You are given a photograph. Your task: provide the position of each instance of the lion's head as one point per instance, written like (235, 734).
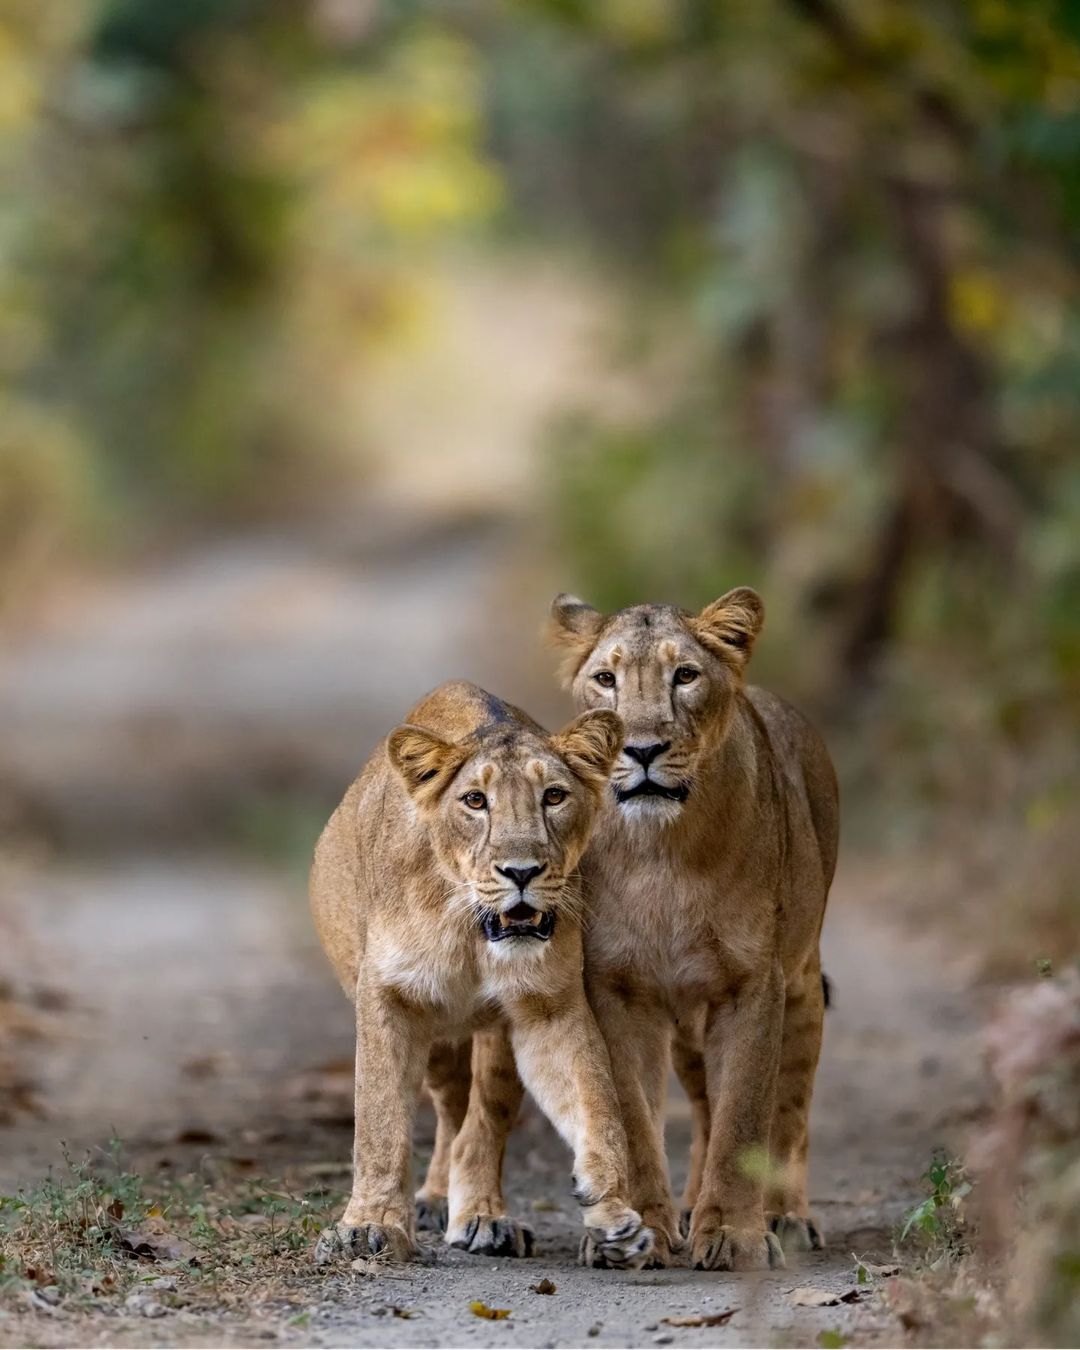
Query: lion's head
(672, 678)
(510, 811)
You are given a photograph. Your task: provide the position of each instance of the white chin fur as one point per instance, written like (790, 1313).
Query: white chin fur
(517, 950)
(649, 811)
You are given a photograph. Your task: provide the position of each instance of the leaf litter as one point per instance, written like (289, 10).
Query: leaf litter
(701, 1319)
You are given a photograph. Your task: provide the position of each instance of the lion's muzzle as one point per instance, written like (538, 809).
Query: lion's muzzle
(522, 921)
(649, 787)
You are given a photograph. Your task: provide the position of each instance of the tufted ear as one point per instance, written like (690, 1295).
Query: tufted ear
(573, 626)
(590, 745)
(425, 762)
(729, 626)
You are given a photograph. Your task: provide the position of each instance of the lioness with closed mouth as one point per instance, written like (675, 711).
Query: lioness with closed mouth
(446, 895)
(707, 877)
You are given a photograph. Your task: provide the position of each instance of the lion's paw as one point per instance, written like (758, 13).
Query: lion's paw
(491, 1235)
(797, 1234)
(726, 1248)
(431, 1213)
(623, 1244)
(667, 1239)
(349, 1240)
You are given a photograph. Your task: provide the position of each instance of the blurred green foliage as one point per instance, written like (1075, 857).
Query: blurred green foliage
(845, 242)
(216, 210)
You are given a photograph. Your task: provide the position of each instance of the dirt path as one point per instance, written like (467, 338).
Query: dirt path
(200, 995)
(204, 998)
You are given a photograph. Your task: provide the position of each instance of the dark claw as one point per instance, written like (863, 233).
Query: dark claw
(465, 1240)
(431, 1214)
(797, 1235)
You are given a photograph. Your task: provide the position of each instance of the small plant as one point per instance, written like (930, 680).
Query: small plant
(69, 1228)
(940, 1219)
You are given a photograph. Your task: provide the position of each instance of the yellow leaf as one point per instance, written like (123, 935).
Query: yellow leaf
(492, 1314)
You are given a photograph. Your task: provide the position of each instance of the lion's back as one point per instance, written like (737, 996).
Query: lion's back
(808, 768)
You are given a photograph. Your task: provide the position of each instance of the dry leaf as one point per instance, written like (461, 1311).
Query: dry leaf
(806, 1296)
(479, 1309)
(366, 1265)
(875, 1271)
(544, 1287)
(195, 1134)
(701, 1319)
(157, 1245)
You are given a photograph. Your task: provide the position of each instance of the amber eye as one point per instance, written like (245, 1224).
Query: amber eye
(605, 678)
(686, 675)
(554, 796)
(475, 801)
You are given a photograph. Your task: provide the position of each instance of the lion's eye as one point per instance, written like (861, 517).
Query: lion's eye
(686, 675)
(554, 796)
(605, 678)
(475, 801)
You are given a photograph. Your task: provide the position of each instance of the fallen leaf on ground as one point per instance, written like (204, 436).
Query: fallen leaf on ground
(545, 1207)
(367, 1265)
(479, 1309)
(806, 1296)
(157, 1246)
(701, 1319)
(194, 1134)
(544, 1287)
(866, 1270)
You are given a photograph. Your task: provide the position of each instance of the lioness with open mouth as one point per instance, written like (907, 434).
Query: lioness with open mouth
(446, 895)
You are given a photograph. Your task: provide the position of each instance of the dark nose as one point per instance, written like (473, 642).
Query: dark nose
(645, 754)
(521, 876)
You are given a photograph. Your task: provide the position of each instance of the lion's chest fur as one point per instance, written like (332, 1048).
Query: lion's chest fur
(445, 970)
(675, 935)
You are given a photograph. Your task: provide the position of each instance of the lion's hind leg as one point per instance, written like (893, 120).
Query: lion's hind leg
(478, 1221)
(447, 1081)
(689, 1061)
(786, 1200)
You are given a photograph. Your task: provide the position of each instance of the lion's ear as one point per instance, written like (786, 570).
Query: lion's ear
(573, 626)
(425, 762)
(729, 626)
(590, 745)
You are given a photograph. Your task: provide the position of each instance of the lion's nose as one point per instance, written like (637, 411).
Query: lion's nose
(645, 754)
(521, 876)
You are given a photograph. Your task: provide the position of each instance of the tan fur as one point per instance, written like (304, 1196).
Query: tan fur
(404, 875)
(705, 917)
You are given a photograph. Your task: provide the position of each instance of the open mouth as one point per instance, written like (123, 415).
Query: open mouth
(648, 788)
(520, 922)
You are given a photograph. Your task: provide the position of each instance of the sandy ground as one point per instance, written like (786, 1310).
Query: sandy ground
(200, 995)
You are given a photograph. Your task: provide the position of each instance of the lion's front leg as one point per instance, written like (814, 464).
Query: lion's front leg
(478, 1221)
(742, 1051)
(639, 1037)
(565, 1064)
(392, 1044)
